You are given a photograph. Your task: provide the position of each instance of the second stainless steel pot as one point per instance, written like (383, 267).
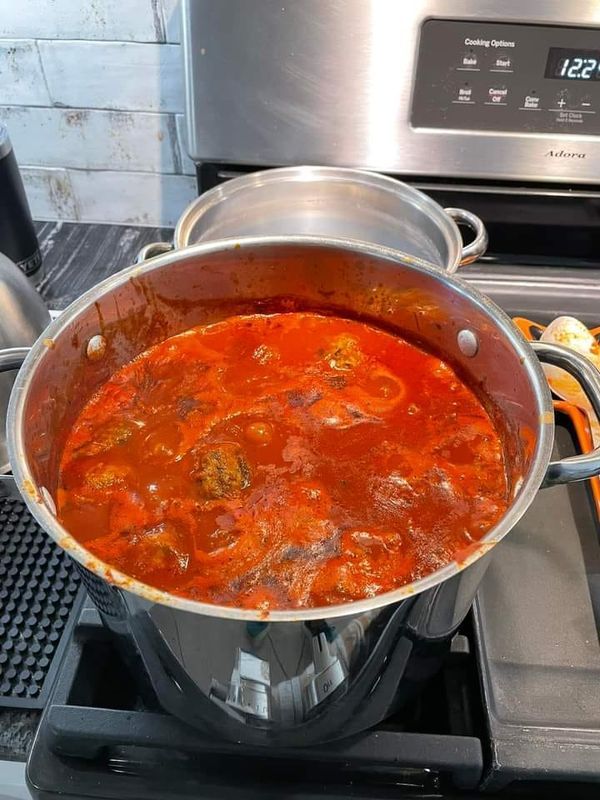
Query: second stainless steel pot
(297, 676)
(330, 201)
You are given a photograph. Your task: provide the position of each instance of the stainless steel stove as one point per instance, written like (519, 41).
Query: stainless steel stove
(495, 108)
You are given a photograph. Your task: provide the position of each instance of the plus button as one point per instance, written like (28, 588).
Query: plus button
(562, 102)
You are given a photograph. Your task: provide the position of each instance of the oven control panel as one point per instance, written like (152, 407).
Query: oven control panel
(498, 77)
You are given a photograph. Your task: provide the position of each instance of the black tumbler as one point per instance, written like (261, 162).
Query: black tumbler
(17, 234)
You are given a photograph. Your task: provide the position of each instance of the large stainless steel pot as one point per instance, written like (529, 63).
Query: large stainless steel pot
(294, 676)
(331, 202)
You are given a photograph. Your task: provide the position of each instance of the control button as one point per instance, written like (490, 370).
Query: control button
(497, 96)
(531, 103)
(562, 100)
(502, 63)
(464, 95)
(566, 109)
(586, 104)
(469, 62)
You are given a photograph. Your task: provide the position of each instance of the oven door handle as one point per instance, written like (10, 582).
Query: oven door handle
(475, 249)
(586, 465)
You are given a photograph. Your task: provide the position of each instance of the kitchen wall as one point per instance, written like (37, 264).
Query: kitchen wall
(92, 94)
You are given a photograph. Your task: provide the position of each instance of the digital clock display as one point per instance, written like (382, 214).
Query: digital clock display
(574, 65)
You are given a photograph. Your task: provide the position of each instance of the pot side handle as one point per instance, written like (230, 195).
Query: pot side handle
(11, 358)
(472, 251)
(587, 465)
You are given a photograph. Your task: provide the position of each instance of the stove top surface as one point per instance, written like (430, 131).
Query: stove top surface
(537, 617)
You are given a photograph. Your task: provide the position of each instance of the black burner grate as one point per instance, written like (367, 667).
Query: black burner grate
(39, 593)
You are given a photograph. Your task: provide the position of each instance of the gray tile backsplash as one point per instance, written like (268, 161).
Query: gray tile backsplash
(187, 165)
(84, 138)
(117, 20)
(113, 75)
(136, 198)
(92, 95)
(21, 74)
(50, 193)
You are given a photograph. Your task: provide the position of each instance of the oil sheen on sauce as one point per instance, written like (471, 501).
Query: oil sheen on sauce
(282, 461)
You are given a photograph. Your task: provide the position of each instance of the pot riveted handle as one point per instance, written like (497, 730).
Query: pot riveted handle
(151, 250)
(587, 465)
(12, 358)
(472, 251)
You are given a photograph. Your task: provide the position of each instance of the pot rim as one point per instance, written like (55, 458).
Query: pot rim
(36, 497)
(308, 174)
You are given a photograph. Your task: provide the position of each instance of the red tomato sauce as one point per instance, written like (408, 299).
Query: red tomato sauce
(282, 461)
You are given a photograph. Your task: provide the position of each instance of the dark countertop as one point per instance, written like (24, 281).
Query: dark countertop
(77, 255)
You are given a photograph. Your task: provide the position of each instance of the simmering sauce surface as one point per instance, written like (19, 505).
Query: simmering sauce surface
(282, 461)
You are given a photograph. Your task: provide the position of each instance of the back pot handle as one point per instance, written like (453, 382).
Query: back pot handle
(472, 251)
(152, 250)
(574, 468)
